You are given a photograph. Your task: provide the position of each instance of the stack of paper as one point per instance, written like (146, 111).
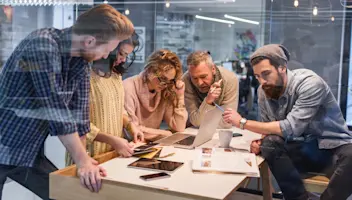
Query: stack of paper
(227, 161)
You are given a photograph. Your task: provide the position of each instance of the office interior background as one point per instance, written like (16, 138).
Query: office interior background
(316, 32)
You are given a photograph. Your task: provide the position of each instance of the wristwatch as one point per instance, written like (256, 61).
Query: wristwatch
(243, 121)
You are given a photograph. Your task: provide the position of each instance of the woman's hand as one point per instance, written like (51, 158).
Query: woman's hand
(122, 147)
(137, 134)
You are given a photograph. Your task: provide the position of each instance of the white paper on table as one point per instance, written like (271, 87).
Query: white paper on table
(166, 150)
(225, 160)
(240, 144)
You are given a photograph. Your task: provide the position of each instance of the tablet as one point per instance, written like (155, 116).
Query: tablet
(155, 164)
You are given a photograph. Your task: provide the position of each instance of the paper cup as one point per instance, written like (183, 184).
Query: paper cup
(225, 137)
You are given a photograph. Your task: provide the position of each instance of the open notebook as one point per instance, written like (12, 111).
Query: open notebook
(227, 161)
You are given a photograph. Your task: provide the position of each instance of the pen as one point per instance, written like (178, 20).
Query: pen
(219, 107)
(212, 89)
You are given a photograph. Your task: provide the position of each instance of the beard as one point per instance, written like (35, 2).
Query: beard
(89, 57)
(203, 88)
(274, 91)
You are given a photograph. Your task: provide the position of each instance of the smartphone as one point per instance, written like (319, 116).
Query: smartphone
(155, 176)
(236, 134)
(145, 147)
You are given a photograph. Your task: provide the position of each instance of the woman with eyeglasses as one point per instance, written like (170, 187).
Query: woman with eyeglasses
(107, 114)
(156, 95)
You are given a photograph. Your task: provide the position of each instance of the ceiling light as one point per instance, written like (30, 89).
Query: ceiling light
(127, 12)
(215, 19)
(106, 2)
(315, 11)
(241, 19)
(332, 18)
(296, 3)
(167, 4)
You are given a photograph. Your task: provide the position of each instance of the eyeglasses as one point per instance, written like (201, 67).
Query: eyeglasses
(163, 81)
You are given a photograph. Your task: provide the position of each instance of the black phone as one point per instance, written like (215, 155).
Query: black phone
(155, 176)
(145, 147)
(236, 134)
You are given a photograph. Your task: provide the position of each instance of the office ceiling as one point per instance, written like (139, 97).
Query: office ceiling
(250, 9)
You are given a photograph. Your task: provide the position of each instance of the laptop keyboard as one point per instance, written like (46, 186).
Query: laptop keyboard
(187, 141)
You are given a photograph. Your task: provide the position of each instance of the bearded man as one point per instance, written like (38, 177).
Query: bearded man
(302, 126)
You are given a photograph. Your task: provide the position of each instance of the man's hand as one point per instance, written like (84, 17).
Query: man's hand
(122, 147)
(232, 117)
(88, 170)
(214, 92)
(90, 174)
(137, 134)
(179, 88)
(255, 146)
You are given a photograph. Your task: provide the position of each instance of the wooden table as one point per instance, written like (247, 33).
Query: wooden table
(124, 183)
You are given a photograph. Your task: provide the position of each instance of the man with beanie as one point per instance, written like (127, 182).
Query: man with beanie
(302, 126)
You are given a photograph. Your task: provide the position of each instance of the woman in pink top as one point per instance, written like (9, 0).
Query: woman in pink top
(157, 94)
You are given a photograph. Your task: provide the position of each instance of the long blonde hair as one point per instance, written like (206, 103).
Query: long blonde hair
(161, 61)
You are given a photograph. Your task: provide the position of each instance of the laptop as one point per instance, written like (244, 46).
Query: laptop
(205, 133)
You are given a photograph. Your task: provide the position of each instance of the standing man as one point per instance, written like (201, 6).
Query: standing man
(206, 85)
(44, 89)
(302, 126)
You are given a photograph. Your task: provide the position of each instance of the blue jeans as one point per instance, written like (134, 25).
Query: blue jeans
(288, 160)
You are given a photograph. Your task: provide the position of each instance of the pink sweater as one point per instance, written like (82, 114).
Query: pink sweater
(148, 109)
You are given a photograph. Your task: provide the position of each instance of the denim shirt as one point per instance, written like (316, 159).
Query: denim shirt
(307, 108)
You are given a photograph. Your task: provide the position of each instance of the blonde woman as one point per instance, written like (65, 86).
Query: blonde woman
(156, 95)
(107, 114)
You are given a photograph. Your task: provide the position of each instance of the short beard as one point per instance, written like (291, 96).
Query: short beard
(274, 91)
(86, 56)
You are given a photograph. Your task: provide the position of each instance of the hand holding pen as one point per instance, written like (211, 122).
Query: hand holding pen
(214, 92)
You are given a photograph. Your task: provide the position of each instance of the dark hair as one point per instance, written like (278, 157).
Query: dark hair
(121, 69)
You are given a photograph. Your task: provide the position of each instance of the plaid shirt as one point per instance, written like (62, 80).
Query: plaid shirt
(43, 90)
